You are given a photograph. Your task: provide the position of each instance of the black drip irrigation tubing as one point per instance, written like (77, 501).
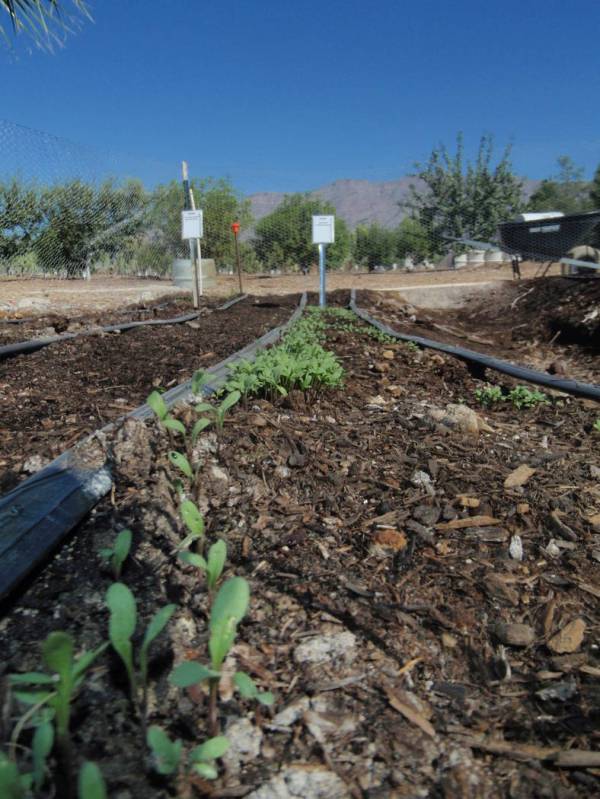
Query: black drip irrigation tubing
(40, 512)
(22, 347)
(573, 387)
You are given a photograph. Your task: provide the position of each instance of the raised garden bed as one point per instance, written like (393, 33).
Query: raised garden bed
(54, 397)
(410, 651)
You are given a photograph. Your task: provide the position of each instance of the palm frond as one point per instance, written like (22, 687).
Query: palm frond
(46, 21)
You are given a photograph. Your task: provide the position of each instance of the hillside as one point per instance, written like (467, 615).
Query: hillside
(359, 201)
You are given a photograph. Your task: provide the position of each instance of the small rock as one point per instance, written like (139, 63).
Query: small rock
(552, 550)
(33, 464)
(303, 781)
(423, 480)
(329, 647)
(515, 549)
(594, 472)
(218, 474)
(514, 634)
(557, 367)
(569, 638)
(559, 691)
(283, 472)
(426, 514)
(389, 355)
(460, 418)
(244, 743)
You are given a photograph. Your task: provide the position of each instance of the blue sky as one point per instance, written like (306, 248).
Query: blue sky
(288, 96)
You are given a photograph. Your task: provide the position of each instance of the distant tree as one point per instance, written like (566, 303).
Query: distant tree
(595, 189)
(284, 237)
(566, 191)
(374, 245)
(83, 223)
(21, 218)
(462, 198)
(45, 21)
(221, 205)
(412, 240)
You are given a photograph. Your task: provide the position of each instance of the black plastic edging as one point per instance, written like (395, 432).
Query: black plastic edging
(574, 387)
(22, 347)
(42, 510)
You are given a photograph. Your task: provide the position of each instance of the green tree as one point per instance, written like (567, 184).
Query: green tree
(221, 205)
(595, 189)
(284, 237)
(566, 191)
(412, 240)
(83, 224)
(374, 245)
(46, 21)
(21, 218)
(462, 198)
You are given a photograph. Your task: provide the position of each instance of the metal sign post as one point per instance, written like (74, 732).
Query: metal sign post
(323, 232)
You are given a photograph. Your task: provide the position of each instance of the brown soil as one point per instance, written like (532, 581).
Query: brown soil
(371, 526)
(550, 324)
(55, 396)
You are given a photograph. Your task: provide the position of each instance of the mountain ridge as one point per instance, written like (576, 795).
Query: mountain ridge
(360, 202)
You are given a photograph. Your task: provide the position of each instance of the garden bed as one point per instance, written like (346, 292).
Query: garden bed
(550, 324)
(410, 651)
(53, 397)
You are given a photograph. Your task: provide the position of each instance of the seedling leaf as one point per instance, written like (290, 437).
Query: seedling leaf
(91, 782)
(193, 559)
(43, 740)
(192, 518)
(200, 425)
(158, 405)
(174, 424)
(191, 673)
(211, 749)
(167, 753)
(217, 554)
(182, 463)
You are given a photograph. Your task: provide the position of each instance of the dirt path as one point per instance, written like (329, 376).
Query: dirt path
(27, 297)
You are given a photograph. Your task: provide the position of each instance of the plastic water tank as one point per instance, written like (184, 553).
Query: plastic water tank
(182, 273)
(475, 257)
(493, 256)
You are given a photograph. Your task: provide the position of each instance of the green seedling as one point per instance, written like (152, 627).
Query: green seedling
(168, 755)
(522, 397)
(596, 425)
(489, 395)
(117, 556)
(91, 782)
(194, 521)
(228, 609)
(199, 380)
(249, 690)
(213, 565)
(13, 785)
(55, 691)
(202, 758)
(122, 624)
(230, 400)
(181, 462)
(161, 411)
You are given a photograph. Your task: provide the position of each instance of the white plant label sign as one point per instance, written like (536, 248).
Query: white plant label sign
(192, 224)
(323, 229)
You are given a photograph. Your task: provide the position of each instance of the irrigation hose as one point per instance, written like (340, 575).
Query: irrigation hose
(23, 347)
(573, 387)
